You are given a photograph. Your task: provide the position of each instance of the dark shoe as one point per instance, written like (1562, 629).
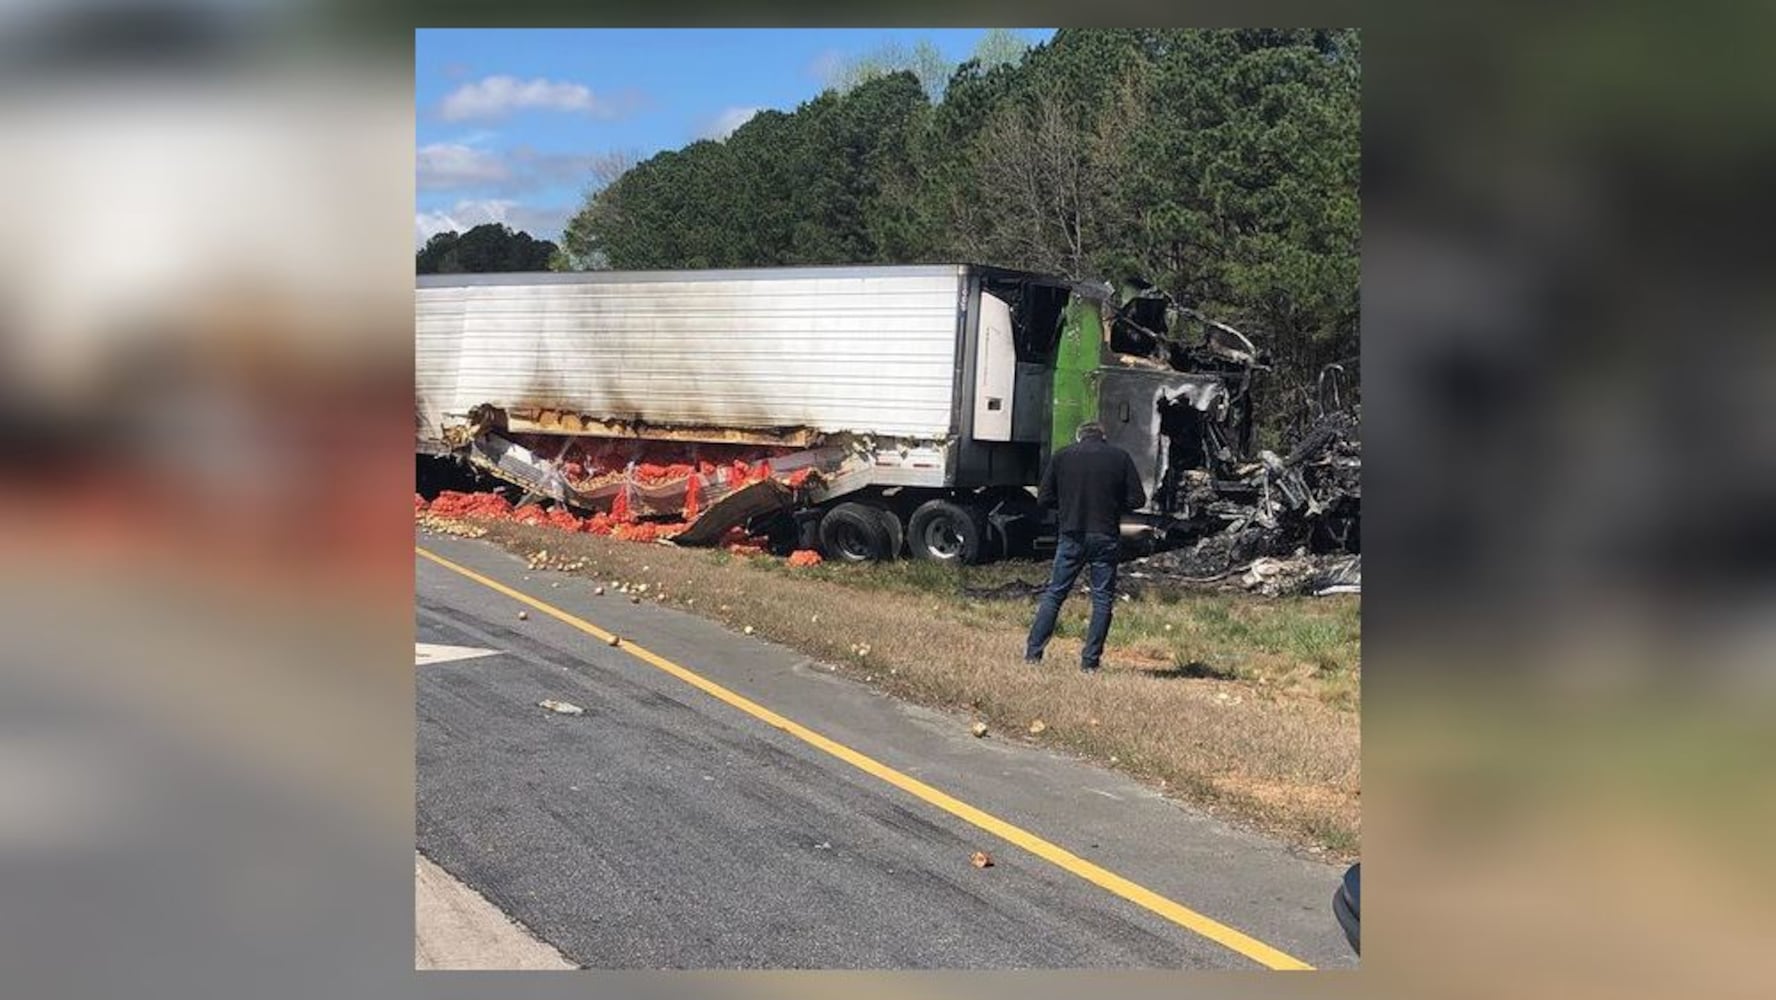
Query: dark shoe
(1088, 668)
(1033, 659)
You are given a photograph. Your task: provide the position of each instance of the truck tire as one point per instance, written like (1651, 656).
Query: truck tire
(942, 531)
(892, 530)
(852, 532)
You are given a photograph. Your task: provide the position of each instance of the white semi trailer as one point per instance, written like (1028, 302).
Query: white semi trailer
(926, 398)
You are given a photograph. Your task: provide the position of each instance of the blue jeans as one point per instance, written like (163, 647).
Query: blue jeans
(1074, 553)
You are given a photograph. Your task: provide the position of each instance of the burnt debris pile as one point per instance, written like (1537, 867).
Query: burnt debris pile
(1278, 524)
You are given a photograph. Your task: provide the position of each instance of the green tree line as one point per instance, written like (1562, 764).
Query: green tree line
(1220, 165)
(491, 246)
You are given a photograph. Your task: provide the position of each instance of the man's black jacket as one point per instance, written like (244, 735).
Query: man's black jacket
(1093, 483)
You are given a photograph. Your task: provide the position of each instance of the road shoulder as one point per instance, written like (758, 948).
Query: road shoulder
(454, 927)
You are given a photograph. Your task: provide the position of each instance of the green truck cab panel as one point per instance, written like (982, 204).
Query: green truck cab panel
(1078, 357)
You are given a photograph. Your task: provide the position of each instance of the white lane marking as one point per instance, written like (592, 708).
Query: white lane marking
(426, 653)
(1108, 795)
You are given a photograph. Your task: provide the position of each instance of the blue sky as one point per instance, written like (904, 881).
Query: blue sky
(514, 125)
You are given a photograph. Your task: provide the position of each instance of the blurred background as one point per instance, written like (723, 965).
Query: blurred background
(205, 712)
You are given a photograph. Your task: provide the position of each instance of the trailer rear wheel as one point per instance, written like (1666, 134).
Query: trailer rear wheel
(892, 530)
(852, 532)
(947, 532)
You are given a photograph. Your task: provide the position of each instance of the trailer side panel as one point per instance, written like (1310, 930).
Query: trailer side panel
(840, 350)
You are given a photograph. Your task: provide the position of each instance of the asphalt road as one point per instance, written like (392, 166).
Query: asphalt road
(665, 828)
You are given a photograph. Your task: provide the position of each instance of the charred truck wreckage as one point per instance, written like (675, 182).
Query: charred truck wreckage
(871, 412)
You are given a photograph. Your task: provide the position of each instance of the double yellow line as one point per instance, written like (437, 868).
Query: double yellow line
(1140, 895)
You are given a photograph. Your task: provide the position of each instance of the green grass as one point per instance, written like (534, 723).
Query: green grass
(1337, 837)
(1303, 644)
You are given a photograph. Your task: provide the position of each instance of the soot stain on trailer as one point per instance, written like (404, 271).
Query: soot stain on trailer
(541, 406)
(689, 409)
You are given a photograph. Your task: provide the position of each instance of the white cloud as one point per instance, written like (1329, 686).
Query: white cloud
(535, 169)
(446, 165)
(495, 96)
(544, 222)
(461, 217)
(465, 165)
(725, 123)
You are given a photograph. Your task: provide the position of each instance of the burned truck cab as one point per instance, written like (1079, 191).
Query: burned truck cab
(1170, 387)
(1171, 423)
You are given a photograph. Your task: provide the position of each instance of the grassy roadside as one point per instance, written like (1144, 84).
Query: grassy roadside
(1245, 706)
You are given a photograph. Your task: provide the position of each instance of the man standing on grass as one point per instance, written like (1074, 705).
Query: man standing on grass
(1093, 483)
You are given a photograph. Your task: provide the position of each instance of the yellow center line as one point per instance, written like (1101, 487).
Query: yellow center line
(1135, 893)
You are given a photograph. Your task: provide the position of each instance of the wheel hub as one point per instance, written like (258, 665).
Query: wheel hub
(943, 540)
(851, 544)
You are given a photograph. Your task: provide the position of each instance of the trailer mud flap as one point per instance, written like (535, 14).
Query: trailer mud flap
(765, 496)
